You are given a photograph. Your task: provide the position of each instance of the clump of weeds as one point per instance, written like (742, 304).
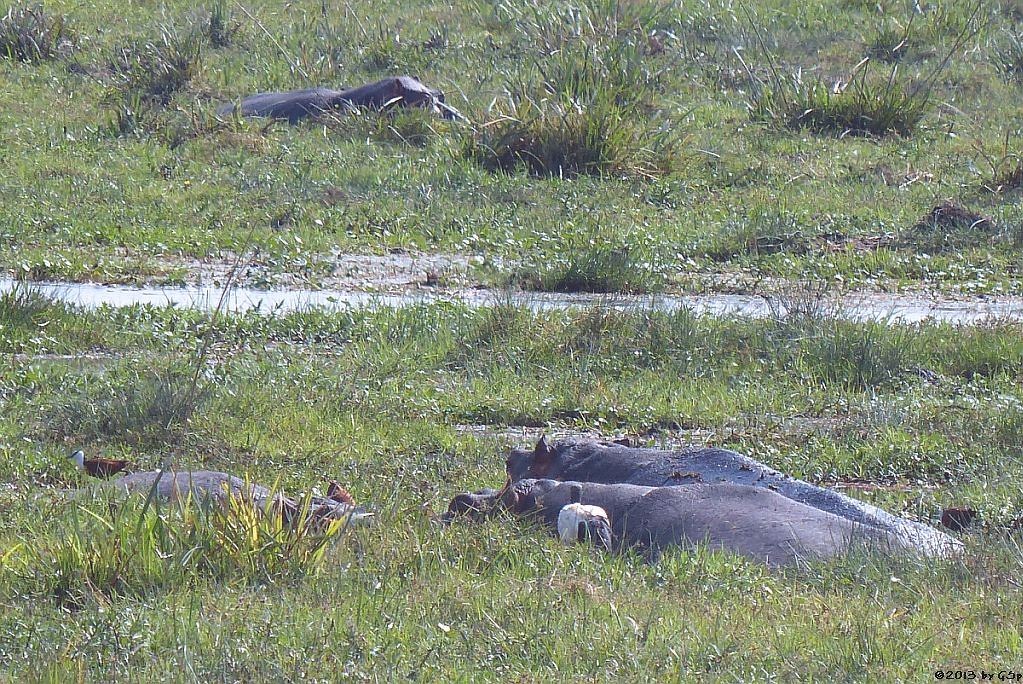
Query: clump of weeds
(31, 34)
(583, 111)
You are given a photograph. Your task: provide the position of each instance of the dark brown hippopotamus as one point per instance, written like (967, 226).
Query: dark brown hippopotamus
(754, 522)
(590, 461)
(295, 105)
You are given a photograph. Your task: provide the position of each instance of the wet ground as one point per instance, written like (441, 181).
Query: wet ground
(894, 308)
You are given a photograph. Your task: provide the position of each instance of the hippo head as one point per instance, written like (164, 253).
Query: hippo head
(539, 462)
(525, 496)
(473, 505)
(412, 92)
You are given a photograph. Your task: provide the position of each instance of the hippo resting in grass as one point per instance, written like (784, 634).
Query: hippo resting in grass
(589, 461)
(585, 460)
(751, 521)
(655, 498)
(395, 91)
(217, 487)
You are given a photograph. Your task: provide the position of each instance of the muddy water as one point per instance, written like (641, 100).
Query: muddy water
(894, 308)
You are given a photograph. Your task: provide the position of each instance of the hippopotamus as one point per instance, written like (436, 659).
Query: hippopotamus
(596, 462)
(754, 522)
(211, 486)
(295, 105)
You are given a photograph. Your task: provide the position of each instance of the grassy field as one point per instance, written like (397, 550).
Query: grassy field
(688, 145)
(614, 146)
(381, 401)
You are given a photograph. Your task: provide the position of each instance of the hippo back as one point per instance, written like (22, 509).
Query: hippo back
(589, 461)
(396, 91)
(753, 522)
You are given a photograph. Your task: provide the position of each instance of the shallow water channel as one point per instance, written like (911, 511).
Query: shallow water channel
(893, 308)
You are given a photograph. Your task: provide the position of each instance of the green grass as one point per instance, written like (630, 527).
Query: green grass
(106, 549)
(610, 148)
(1008, 59)
(33, 35)
(375, 400)
(876, 107)
(583, 111)
(153, 406)
(116, 168)
(601, 266)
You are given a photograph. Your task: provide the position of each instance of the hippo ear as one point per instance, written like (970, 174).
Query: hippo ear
(543, 450)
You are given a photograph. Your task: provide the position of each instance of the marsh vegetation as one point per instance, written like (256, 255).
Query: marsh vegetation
(614, 146)
(912, 418)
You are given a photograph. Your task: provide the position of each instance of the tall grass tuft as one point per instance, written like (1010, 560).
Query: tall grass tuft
(220, 28)
(155, 71)
(855, 355)
(1007, 58)
(1006, 167)
(487, 329)
(23, 306)
(583, 111)
(150, 75)
(866, 106)
(413, 127)
(554, 26)
(601, 267)
(890, 43)
(760, 232)
(33, 321)
(148, 406)
(645, 339)
(807, 335)
(102, 547)
(33, 35)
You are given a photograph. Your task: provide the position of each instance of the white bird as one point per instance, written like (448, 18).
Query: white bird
(578, 522)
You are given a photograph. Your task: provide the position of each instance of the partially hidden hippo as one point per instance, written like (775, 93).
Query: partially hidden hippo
(295, 105)
(211, 486)
(751, 521)
(699, 467)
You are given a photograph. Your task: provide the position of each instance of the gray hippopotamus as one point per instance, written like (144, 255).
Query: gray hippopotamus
(211, 486)
(751, 521)
(394, 91)
(590, 461)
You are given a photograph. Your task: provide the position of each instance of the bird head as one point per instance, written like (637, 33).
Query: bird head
(78, 457)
